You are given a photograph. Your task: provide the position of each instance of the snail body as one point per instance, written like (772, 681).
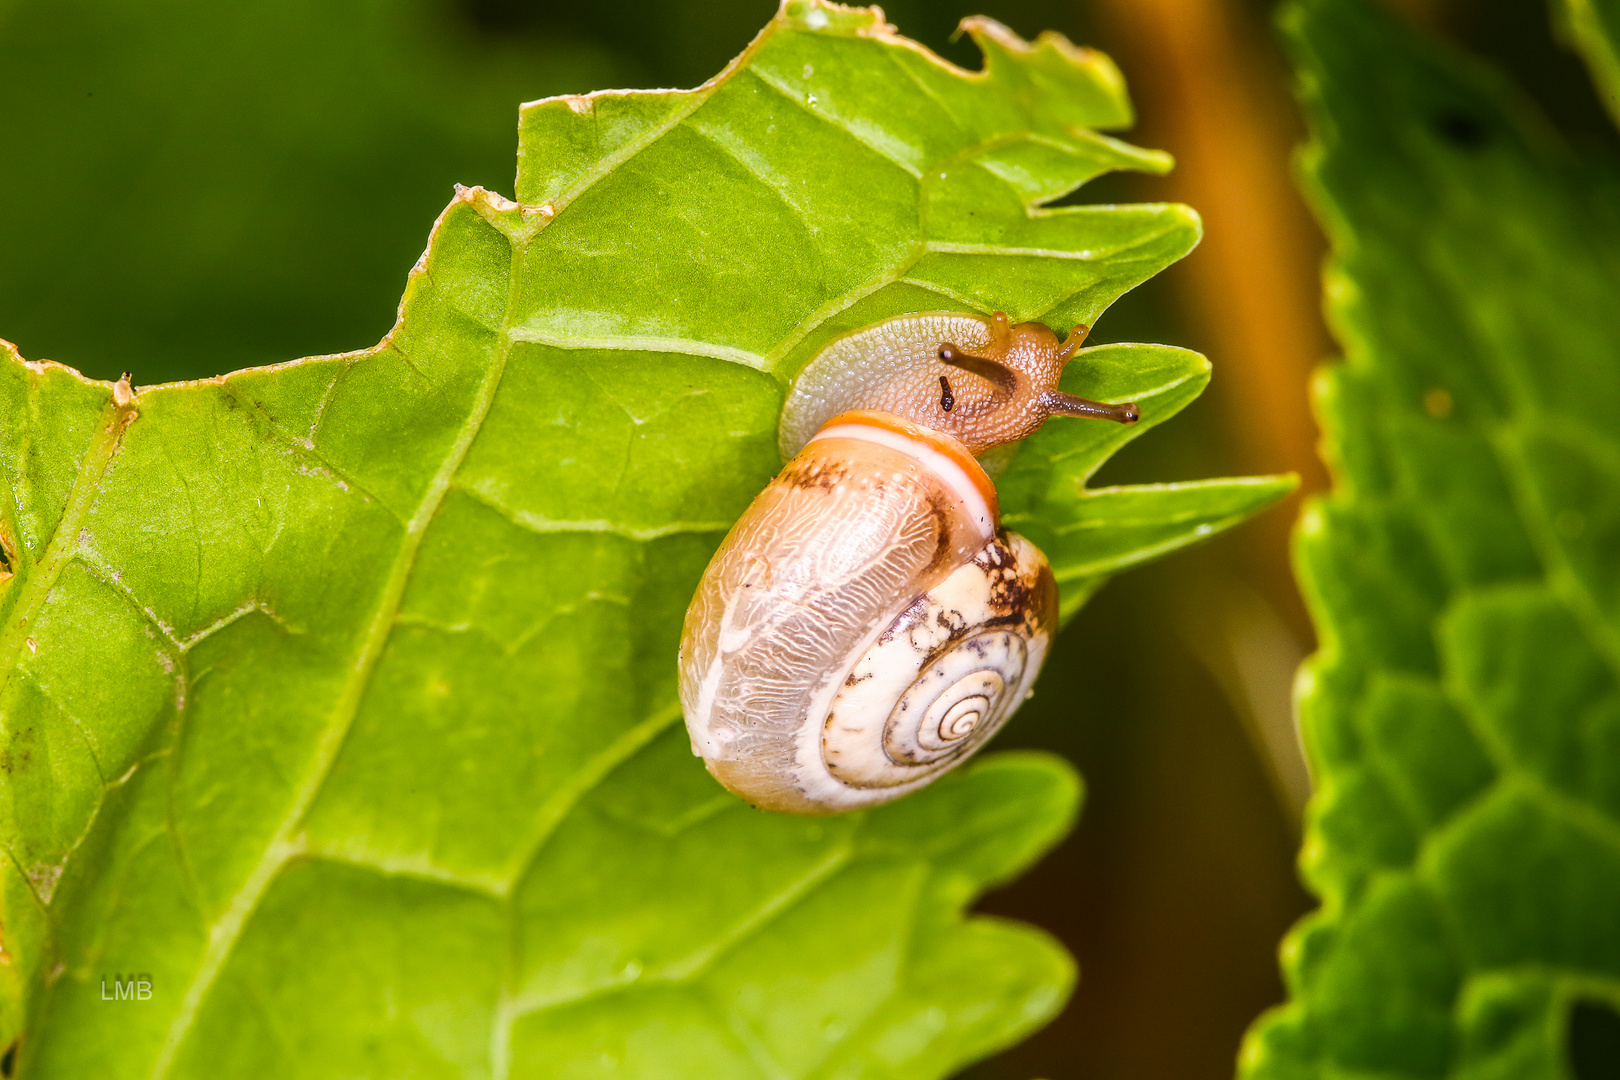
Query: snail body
(866, 625)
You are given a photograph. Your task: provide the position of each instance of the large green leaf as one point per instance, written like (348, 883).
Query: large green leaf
(338, 696)
(1463, 715)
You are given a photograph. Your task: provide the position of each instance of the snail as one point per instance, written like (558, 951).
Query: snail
(866, 625)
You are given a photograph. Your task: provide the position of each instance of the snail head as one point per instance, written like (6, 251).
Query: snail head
(1018, 372)
(984, 381)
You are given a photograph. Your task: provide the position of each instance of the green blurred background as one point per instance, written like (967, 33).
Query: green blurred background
(188, 187)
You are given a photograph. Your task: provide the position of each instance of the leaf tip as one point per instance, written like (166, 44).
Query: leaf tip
(1053, 63)
(1191, 220)
(1157, 163)
(1285, 483)
(994, 37)
(1312, 520)
(824, 16)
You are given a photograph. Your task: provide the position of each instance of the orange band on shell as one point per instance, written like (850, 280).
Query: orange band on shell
(893, 431)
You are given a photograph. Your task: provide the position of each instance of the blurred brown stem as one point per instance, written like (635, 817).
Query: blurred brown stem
(1212, 89)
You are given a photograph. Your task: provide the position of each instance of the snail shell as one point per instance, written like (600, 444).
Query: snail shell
(866, 626)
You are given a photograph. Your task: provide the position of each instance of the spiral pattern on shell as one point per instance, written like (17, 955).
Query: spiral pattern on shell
(945, 674)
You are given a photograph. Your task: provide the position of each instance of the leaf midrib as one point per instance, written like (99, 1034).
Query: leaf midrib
(114, 421)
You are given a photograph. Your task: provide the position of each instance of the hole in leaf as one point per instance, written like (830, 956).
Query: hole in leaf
(8, 1062)
(7, 567)
(1461, 130)
(1594, 1041)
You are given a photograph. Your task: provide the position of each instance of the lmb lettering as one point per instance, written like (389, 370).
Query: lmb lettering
(126, 987)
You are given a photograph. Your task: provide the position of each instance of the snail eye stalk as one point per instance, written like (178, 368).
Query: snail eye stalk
(1057, 403)
(947, 400)
(997, 374)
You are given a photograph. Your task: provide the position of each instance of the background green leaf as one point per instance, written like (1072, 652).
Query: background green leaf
(339, 698)
(1593, 28)
(1463, 716)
